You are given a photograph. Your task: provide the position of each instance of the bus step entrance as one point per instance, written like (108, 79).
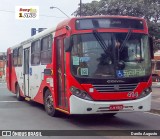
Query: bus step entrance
(27, 98)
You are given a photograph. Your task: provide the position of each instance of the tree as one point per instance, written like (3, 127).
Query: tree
(88, 9)
(149, 9)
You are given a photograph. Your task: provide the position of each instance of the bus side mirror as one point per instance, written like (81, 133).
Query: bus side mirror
(151, 47)
(67, 44)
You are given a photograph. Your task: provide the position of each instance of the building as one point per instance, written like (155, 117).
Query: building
(156, 63)
(2, 64)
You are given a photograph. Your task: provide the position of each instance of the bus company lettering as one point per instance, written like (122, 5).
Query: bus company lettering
(134, 72)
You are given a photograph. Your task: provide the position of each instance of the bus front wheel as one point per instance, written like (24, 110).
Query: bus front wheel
(48, 103)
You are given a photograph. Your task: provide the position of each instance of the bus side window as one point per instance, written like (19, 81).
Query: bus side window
(158, 65)
(35, 53)
(15, 59)
(46, 50)
(20, 55)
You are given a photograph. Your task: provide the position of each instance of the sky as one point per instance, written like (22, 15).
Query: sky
(14, 31)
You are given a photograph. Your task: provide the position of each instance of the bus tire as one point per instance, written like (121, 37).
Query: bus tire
(48, 104)
(19, 97)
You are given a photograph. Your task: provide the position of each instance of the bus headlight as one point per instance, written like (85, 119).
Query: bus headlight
(80, 93)
(145, 92)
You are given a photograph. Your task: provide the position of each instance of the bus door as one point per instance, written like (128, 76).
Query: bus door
(61, 73)
(26, 72)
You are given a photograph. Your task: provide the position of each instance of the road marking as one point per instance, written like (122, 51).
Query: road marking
(3, 85)
(152, 113)
(8, 101)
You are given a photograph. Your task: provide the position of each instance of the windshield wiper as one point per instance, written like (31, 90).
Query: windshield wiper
(121, 64)
(101, 42)
(126, 39)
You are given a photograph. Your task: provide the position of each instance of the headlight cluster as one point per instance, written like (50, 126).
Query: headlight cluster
(145, 92)
(80, 93)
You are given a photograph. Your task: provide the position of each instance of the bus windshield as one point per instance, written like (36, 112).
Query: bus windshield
(98, 58)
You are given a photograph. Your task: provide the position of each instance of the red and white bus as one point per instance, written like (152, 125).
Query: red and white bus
(77, 68)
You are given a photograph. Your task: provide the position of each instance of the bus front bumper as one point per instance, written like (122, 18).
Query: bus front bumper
(81, 106)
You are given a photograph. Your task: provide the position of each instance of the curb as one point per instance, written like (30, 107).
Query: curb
(156, 111)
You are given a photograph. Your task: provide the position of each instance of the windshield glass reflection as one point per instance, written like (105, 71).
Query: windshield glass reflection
(92, 59)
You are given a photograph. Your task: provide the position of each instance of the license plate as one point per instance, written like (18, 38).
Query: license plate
(115, 107)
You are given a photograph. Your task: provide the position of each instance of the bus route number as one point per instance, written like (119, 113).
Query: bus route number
(132, 94)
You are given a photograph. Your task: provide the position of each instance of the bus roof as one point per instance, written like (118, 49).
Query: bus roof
(43, 33)
(65, 23)
(110, 16)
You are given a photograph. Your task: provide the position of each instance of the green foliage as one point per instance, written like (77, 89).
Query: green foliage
(88, 9)
(148, 9)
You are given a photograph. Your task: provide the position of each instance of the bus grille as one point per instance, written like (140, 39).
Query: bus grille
(115, 87)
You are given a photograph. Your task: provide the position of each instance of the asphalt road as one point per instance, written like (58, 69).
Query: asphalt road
(15, 115)
(156, 98)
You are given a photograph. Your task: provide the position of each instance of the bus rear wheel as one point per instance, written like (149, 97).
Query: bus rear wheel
(48, 104)
(19, 97)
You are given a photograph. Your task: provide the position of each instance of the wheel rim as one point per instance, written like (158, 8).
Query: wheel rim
(49, 103)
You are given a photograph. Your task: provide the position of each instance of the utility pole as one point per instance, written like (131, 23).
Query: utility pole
(80, 7)
(59, 10)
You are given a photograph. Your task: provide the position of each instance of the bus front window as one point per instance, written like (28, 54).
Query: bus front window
(91, 59)
(135, 55)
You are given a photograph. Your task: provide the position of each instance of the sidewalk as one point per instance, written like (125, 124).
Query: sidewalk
(2, 80)
(155, 104)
